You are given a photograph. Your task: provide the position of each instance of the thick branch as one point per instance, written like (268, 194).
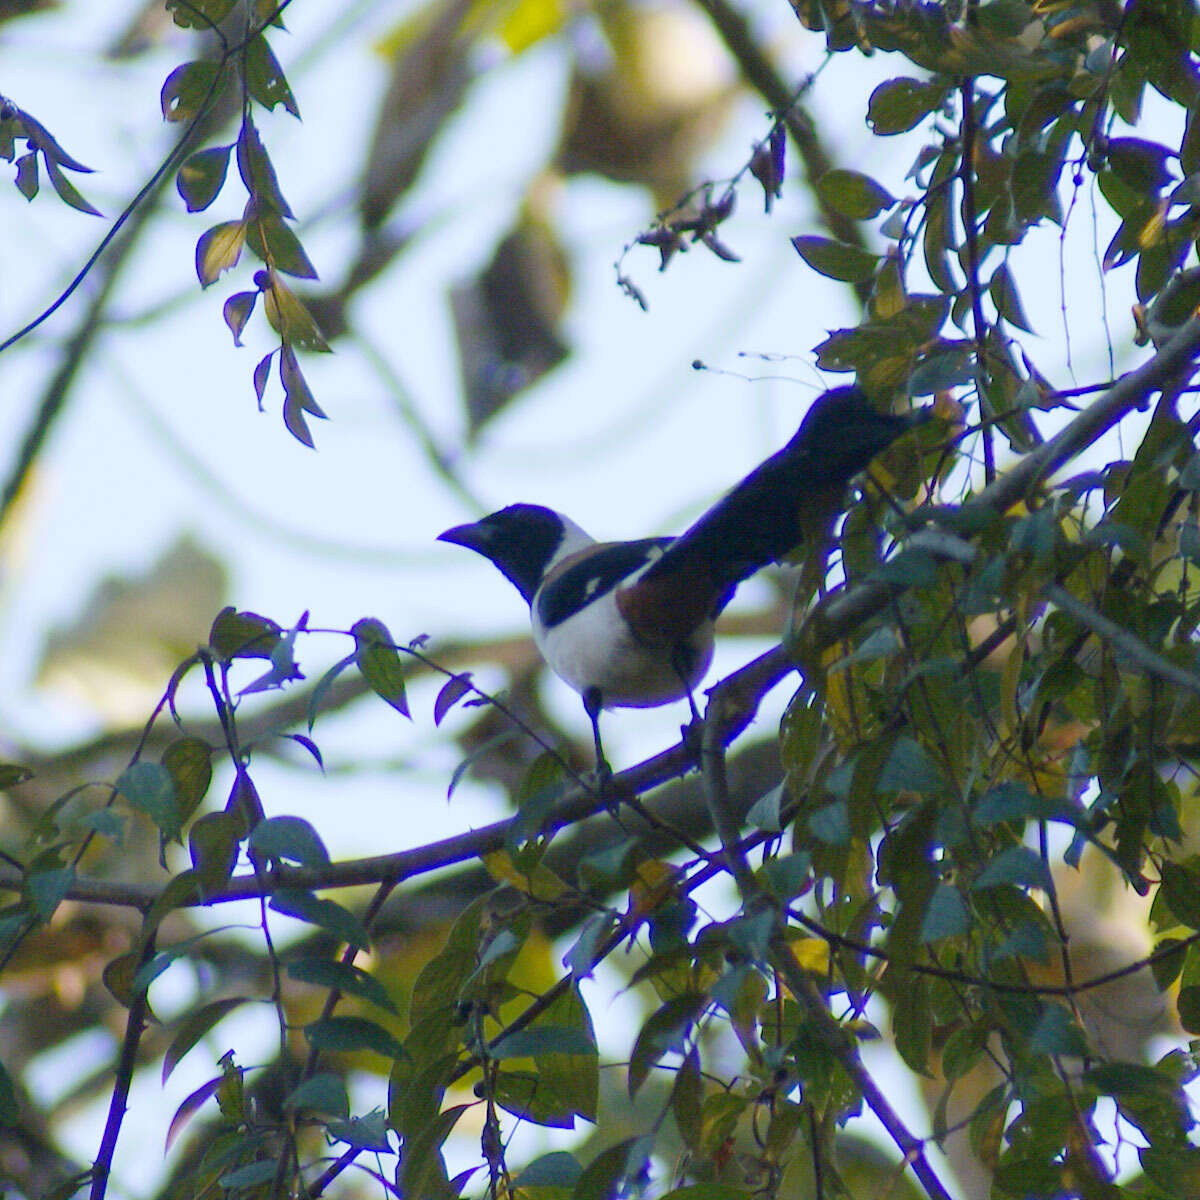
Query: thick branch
(742, 692)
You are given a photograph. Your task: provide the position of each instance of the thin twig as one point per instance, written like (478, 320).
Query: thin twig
(135, 1024)
(970, 218)
(754, 898)
(758, 70)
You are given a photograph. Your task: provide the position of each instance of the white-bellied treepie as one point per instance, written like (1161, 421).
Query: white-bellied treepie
(630, 624)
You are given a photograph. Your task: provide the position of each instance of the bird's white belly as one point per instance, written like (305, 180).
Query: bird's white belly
(595, 648)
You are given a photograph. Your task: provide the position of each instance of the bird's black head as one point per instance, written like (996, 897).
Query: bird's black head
(521, 540)
(844, 431)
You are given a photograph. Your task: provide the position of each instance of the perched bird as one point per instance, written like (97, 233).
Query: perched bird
(630, 624)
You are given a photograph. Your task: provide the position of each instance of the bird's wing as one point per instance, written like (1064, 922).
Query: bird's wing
(584, 577)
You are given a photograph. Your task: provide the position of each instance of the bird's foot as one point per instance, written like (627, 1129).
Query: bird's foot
(692, 736)
(611, 791)
(603, 775)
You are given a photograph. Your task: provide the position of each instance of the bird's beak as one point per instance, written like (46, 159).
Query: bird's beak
(475, 536)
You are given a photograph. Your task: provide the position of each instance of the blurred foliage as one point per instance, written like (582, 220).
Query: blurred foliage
(975, 781)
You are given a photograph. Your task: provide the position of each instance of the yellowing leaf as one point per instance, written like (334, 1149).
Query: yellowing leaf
(655, 883)
(219, 249)
(529, 22)
(811, 954)
(541, 883)
(290, 319)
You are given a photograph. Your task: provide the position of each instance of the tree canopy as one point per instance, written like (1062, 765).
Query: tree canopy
(935, 935)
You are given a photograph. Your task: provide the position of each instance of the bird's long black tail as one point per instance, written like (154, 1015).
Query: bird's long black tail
(791, 496)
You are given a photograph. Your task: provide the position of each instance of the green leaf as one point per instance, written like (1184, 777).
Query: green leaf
(1018, 865)
(1140, 164)
(558, 1169)
(363, 1133)
(854, 194)
(837, 260)
(202, 177)
(27, 175)
(242, 635)
(1057, 1033)
(150, 788)
(540, 1040)
(237, 311)
(422, 1172)
(909, 769)
(187, 88)
(705, 1191)
(963, 1049)
(946, 916)
(327, 914)
(609, 1173)
(687, 1095)
(323, 686)
(189, 763)
(898, 105)
(244, 804)
(1181, 890)
(10, 1112)
(789, 876)
(67, 192)
(264, 77)
(378, 661)
(351, 1034)
(831, 823)
(292, 839)
(912, 1023)
(453, 690)
(1004, 295)
(191, 1105)
(582, 957)
(149, 971)
(1008, 801)
(665, 1032)
(45, 141)
(344, 977)
(1034, 185)
(252, 1175)
(1027, 939)
(258, 172)
(442, 978)
(942, 371)
(213, 845)
(1169, 956)
(297, 397)
(764, 813)
(262, 371)
(322, 1093)
(47, 889)
(270, 237)
(181, 890)
(1187, 1004)
(196, 1025)
(912, 567)
(199, 14)
(1127, 1079)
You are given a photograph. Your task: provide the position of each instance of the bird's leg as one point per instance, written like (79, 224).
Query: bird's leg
(593, 702)
(680, 663)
